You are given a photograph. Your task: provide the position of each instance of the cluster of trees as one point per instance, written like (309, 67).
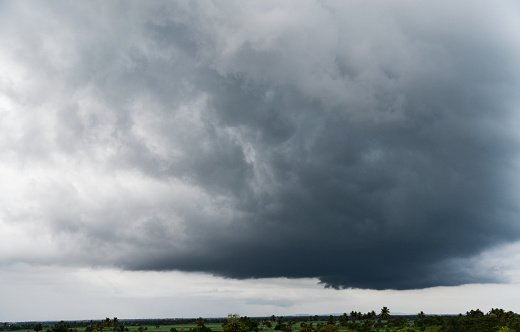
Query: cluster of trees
(329, 326)
(113, 325)
(283, 325)
(235, 323)
(362, 316)
(21, 326)
(108, 325)
(496, 320)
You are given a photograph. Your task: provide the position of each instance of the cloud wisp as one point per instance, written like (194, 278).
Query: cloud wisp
(368, 145)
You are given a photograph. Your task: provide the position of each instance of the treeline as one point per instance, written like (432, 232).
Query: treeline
(496, 320)
(72, 325)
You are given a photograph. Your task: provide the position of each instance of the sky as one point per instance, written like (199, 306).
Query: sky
(201, 158)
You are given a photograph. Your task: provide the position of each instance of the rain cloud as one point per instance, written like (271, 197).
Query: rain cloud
(368, 144)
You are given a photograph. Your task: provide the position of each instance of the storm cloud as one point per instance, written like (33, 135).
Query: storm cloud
(368, 144)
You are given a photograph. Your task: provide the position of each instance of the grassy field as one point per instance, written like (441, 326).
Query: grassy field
(217, 327)
(180, 327)
(166, 328)
(497, 320)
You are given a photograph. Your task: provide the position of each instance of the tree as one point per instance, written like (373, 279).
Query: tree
(234, 324)
(500, 313)
(61, 327)
(38, 327)
(116, 325)
(107, 323)
(365, 327)
(98, 327)
(306, 327)
(251, 324)
(421, 315)
(343, 319)
(201, 327)
(399, 321)
(385, 313)
(475, 313)
(280, 325)
(200, 323)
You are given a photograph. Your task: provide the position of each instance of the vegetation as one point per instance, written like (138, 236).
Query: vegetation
(496, 320)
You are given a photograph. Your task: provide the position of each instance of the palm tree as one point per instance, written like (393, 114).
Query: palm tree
(200, 323)
(385, 313)
(115, 324)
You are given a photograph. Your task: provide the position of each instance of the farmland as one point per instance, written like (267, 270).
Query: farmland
(496, 320)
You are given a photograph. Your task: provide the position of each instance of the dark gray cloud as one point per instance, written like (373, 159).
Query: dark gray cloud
(369, 145)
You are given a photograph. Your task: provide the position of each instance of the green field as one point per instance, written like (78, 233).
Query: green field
(217, 327)
(180, 327)
(496, 320)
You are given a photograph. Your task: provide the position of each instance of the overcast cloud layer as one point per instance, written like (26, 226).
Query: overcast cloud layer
(367, 144)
